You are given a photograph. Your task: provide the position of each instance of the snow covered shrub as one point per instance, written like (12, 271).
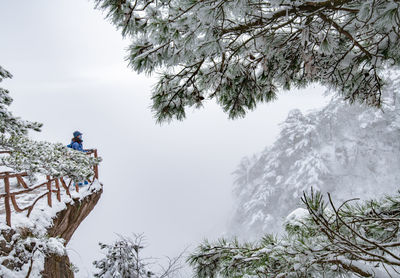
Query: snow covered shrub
(23, 253)
(46, 158)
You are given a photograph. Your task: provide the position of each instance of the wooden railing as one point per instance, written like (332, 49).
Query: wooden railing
(10, 197)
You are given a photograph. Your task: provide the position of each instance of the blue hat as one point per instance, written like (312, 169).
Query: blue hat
(77, 133)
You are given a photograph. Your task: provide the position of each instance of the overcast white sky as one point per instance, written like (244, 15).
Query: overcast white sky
(171, 182)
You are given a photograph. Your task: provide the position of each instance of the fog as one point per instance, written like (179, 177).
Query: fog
(171, 182)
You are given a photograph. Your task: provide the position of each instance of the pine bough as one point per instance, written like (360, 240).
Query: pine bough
(241, 52)
(361, 239)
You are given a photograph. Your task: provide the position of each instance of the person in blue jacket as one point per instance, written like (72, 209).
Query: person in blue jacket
(76, 142)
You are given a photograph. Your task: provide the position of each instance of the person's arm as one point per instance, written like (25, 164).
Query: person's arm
(76, 146)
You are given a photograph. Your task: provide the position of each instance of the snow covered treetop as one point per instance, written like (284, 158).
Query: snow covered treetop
(4, 74)
(241, 52)
(10, 124)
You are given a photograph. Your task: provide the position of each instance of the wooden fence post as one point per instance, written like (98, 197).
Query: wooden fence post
(7, 199)
(58, 190)
(49, 191)
(96, 167)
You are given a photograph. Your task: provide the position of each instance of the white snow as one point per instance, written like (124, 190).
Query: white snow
(297, 216)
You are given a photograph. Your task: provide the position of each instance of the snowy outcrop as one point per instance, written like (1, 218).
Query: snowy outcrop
(64, 226)
(351, 151)
(35, 246)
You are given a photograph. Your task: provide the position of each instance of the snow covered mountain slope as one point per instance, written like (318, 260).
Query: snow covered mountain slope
(347, 150)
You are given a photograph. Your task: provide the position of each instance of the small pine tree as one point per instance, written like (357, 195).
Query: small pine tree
(123, 260)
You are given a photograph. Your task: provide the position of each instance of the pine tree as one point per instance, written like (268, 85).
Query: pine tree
(342, 149)
(279, 176)
(242, 52)
(123, 259)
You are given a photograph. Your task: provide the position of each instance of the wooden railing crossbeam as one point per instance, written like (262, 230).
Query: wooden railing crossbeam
(27, 190)
(9, 175)
(16, 207)
(34, 203)
(64, 185)
(22, 182)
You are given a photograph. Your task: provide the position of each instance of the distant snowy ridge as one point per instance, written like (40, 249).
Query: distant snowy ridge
(347, 150)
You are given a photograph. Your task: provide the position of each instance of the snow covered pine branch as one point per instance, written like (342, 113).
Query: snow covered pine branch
(241, 52)
(322, 241)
